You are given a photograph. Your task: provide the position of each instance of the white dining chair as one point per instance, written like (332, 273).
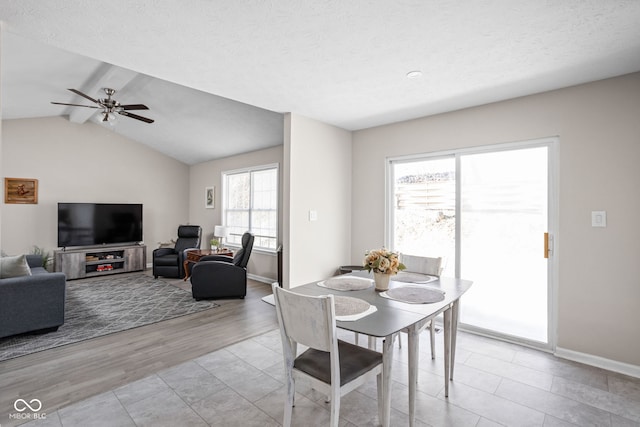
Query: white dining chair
(331, 366)
(417, 265)
(423, 265)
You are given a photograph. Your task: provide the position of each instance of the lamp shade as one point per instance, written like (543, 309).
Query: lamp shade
(220, 231)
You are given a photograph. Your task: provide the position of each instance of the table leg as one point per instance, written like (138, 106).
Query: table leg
(387, 359)
(185, 266)
(414, 341)
(447, 349)
(454, 333)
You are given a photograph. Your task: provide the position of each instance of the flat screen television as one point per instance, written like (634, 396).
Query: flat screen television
(94, 224)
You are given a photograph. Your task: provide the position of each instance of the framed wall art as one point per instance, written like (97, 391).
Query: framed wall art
(21, 190)
(209, 197)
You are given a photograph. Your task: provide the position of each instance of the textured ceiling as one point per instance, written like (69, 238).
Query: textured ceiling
(340, 62)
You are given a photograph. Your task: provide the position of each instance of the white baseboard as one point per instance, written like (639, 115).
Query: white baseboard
(599, 362)
(261, 279)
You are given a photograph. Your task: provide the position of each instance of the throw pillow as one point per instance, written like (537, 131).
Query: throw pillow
(14, 266)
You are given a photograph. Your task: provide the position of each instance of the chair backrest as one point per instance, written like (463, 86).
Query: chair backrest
(307, 320)
(188, 237)
(421, 264)
(241, 258)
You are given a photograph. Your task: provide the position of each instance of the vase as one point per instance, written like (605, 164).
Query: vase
(382, 281)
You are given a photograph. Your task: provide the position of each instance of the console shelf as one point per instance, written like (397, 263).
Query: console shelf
(90, 262)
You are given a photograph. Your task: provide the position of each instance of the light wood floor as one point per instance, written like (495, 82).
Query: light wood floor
(67, 374)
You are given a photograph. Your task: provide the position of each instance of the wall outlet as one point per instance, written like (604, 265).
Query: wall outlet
(599, 219)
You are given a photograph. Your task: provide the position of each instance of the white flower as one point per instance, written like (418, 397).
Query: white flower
(382, 261)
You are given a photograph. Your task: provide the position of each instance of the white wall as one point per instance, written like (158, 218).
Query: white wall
(262, 266)
(87, 163)
(318, 159)
(599, 129)
(1, 98)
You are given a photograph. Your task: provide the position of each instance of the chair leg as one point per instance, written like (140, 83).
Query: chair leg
(289, 402)
(335, 407)
(432, 333)
(399, 337)
(380, 402)
(372, 343)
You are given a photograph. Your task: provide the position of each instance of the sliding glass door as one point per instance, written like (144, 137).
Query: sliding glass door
(503, 218)
(485, 211)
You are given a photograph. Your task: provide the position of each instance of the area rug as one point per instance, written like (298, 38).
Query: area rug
(101, 306)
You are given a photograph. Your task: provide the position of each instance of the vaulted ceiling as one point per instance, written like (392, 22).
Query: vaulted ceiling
(217, 75)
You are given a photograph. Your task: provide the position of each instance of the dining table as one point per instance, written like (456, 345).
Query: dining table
(393, 315)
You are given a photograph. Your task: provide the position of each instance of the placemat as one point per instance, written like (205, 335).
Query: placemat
(347, 283)
(414, 294)
(349, 309)
(407, 276)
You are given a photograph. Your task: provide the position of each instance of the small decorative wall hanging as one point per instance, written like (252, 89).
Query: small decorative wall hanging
(21, 190)
(209, 197)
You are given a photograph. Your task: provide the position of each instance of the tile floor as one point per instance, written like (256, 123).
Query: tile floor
(495, 384)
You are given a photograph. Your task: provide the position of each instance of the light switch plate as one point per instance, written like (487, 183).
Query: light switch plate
(599, 219)
(313, 215)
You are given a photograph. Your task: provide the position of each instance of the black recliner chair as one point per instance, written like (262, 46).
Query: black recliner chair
(216, 276)
(169, 262)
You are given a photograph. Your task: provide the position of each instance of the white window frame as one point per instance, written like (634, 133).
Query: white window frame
(251, 170)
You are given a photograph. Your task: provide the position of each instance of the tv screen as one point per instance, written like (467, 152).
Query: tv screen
(92, 224)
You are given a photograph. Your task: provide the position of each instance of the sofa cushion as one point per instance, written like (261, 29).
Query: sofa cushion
(38, 270)
(14, 266)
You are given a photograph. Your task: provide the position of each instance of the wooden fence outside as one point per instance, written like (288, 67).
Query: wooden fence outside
(440, 195)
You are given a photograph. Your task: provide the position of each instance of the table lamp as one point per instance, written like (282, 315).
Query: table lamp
(220, 231)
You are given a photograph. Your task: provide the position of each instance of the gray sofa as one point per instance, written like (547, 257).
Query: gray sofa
(32, 303)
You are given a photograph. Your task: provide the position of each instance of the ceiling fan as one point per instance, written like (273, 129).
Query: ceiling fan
(110, 106)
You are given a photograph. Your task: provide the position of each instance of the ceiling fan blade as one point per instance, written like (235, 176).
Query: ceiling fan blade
(77, 92)
(135, 116)
(134, 107)
(75, 105)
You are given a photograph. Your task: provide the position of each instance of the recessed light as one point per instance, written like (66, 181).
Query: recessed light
(414, 74)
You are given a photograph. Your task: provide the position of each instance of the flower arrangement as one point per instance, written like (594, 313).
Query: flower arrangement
(382, 261)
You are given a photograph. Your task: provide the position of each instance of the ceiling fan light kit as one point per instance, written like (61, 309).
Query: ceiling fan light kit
(110, 107)
(109, 118)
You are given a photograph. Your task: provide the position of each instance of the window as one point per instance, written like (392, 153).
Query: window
(250, 203)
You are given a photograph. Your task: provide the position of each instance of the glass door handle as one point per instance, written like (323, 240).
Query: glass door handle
(548, 245)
